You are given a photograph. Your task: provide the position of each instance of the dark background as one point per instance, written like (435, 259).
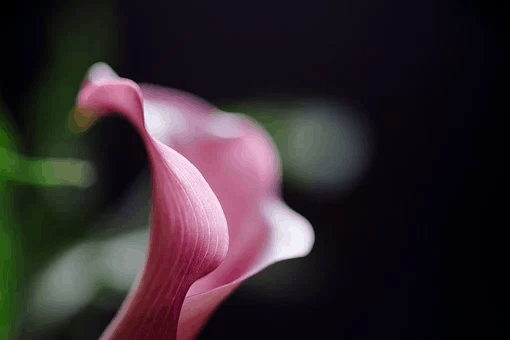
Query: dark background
(424, 73)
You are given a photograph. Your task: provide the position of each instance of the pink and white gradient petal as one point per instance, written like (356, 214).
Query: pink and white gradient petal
(189, 234)
(239, 165)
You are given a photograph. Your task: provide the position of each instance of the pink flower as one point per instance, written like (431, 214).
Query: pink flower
(217, 214)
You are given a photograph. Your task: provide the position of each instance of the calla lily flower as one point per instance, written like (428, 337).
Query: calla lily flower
(217, 214)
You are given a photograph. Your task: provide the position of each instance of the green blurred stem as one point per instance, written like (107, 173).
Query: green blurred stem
(45, 172)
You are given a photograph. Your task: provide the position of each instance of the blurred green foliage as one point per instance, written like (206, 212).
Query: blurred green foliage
(79, 34)
(50, 217)
(10, 259)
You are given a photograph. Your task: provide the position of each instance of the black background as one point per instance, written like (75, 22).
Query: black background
(425, 74)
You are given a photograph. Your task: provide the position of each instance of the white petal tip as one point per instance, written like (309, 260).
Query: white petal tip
(292, 234)
(100, 72)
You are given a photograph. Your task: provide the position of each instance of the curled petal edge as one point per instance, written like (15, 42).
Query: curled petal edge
(189, 234)
(283, 233)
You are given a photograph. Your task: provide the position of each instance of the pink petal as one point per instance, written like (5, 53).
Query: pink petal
(283, 234)
(189, 236)
(241, 164)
